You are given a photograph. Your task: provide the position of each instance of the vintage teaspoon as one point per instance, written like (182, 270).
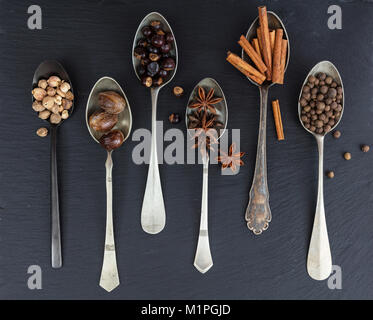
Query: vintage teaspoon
(109, 275)
(319, 261)
(44, 71)
(153, 213)
(258, 213)
(203, 259)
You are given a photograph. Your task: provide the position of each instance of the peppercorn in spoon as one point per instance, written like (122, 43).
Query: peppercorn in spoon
(48, 101)
(155, 59)
(107, 94)
(258, 213)
(320, 109)
(200, 129)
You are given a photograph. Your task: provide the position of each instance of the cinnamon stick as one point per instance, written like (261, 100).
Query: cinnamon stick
(272, 35)
(278, 120)
(284, 48)
(250, 51)
(256, 46)
(276, 67)
(260, 41)
(245, 68)
(266, 43)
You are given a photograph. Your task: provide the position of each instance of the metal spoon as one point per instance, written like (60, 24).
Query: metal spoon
(153, 213)
(258, 213)
(203, 259)
(109, 275)
(44, 71)
(319, 261)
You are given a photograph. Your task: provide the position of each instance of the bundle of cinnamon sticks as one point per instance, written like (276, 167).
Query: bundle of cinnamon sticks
(268, 52)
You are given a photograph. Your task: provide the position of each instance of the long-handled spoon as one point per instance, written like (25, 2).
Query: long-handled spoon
(203, 259)
(44, 71)
(319, 261)
(109, 275)
(258, 213)
(153, 213)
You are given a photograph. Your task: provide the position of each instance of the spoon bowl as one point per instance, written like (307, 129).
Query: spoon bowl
(124, 123)
(274, 22)
(258, 212)
(331, 70)
(109, 279)
(173, 52)
(44, 71)
(221, 107)
(203, 259)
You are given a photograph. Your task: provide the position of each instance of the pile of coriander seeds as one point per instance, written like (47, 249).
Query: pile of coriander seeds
(321, 102)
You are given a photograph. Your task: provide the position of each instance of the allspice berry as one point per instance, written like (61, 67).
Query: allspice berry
(330, 174)
(347, 155)
(336, 134)
(42, 132)
(178, 91)
(365, 148)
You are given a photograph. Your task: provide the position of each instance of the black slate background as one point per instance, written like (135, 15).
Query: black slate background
(93, 39)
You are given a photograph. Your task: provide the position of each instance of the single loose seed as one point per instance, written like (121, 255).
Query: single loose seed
(42, 132)
(365, 148)
(347, 155)
(178, 91)
(330, 174)
(337, 134)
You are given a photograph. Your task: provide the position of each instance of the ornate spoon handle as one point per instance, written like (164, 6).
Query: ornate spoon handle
(153, 213)
(203, 260)
(258, 212)
(109, 274)
(319, 261)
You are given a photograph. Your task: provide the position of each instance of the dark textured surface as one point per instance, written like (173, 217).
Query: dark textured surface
(93, 39)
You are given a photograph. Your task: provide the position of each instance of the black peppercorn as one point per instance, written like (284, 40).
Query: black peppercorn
(147, 31)
(169, 37)
(142, 43)
(166, 48)
(156, 24)
(168, 64)
(152, 68)
(158, 40)
(140, 53)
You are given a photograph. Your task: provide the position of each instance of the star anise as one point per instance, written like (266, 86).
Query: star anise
(205, 102)
(231, 159)
(205, 134)
(196, 120)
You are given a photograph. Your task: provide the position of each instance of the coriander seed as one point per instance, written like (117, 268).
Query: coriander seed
(365, 148)
(347, 155)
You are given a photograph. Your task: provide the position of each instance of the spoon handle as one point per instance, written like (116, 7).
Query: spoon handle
(153, 213)
(55, 209)
(109, 274)
(258, 212)
(319, 261)
(203, 260)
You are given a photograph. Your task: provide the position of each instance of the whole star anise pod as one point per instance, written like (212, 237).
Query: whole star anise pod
(205, 102)
(231, 159)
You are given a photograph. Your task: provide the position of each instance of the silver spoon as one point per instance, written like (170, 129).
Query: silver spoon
(109, 274)
(258, 213)
(319, 261)
(153, 213)
(44, 71)
(203, 259)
